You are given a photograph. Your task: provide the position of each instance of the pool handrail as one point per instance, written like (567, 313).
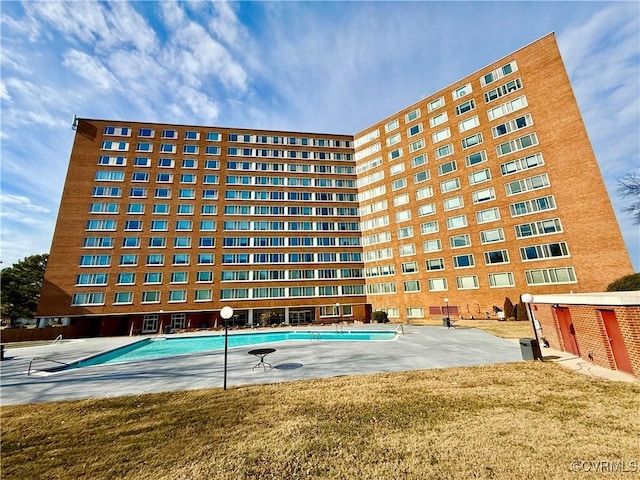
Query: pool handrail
(47, 359)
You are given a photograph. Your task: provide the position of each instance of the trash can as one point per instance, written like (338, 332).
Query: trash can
(530, 349)
(446, 322)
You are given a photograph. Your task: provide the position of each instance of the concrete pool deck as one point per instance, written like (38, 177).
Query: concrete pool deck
(420, 347)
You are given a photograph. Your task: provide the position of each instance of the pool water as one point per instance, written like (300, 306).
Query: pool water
(168, 347)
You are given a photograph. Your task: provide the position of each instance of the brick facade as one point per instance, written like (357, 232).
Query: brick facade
(591, 334)
(471, 194)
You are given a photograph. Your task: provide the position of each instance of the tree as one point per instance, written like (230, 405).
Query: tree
(628, 283)
(379, 317)
(629, 186)
(21, 285)
(521, 312)
(509, 311)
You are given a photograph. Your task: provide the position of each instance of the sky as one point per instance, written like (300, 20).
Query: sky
(334, 67)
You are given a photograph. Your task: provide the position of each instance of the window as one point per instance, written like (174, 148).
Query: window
(467, 282)
(498, 73)
(166, 162)
(109, 176)
(159, 225)
(88, 298)
(189, 163)
(204, 276)
(185, 209)
(411, 286)
(417, 145)
(176, 296)
(160, 208)
(450, 185)
(465, 107)
(169, 134)
(435, 104)
(131, 242)
(540, 252)
(502, 90)
(133, 225)
(532, 206)
(399, 200)
(496, 257)
(101, 225)
(104, 207)
(476, 158)
(92, 279)
(138, 192)
(157, 242)
(112, 161)
(191, 135)
(507, 107)
(107, 192)
(399, 183)
(488, 215)
(421, 177)
(209, 242)
(472, 141)
(437, 284)
(412, 115)
(392, 125)
(468, 124)
(512, 125)
(395, 154)
(501, 280)
(142, 162)
(155, 259)
(406, 250)
(525, 163)
(203, 295)
(144, 147)
(431, 246)
(444, 151)
(461, 91)
(438, 119)
(463, 261)
(140, 177)
(206, 259)
(527, 184)
(441, 135)
(396, 169)
(550, 276)
(187, 194)
(184, 225)
(484, 195)
(180, 259)
(98, 242)
(115, 146)
(434, 264)
(122, 298)
(535, 229)
(446, 168)
(427, 209)
(167, 148)
(393, 139)
(492, 236)
(129, 259)
(146, 132)
(429, 227)
(459, 241)
(403, 215)
(453, 203)
(151, 297)
(405, 232)
(479, 176)
(518, 144)
(424, 192)
(459, 221)
(419, 160)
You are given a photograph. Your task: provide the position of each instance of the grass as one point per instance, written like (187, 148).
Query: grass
(494, 327)
(522, 420)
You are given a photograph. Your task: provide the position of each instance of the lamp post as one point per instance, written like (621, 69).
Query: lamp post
(446, 302)
(527, 298)
(226, 313)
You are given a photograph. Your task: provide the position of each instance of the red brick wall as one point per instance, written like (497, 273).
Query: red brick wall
(591, 334)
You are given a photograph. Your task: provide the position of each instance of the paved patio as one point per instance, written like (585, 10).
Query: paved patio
(421, 347)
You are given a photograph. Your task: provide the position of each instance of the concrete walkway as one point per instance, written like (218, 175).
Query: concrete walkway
(421, 347)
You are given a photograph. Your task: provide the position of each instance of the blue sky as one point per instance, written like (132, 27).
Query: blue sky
(311, 66)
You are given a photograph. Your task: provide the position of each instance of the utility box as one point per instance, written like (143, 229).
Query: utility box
(530, 349)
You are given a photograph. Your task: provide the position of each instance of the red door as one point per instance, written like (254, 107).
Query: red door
(623, 362)
(567, 331)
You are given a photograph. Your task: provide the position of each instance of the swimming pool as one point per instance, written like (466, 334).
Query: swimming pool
(153, 348)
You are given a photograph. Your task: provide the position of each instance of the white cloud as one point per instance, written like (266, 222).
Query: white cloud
(90, 68)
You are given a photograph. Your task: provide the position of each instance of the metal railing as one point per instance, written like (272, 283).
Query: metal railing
(48, 360)
(57, 340)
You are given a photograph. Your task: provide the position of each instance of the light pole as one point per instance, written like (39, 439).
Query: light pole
(446, 302)
(527, 298)
(226, 313)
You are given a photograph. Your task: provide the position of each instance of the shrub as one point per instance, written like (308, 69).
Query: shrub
(509, 311)
(521, 312)
(628, 283)
(379, 317)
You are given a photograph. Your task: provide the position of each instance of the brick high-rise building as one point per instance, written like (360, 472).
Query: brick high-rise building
(487, 189)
